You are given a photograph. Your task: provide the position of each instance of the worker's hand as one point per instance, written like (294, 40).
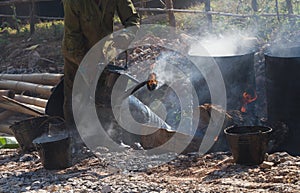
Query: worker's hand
(123, 40)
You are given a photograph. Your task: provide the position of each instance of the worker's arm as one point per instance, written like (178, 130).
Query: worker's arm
(130, 19)
(74, 40)
(127, 13)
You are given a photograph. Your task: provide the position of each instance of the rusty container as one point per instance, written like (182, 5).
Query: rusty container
(248, 144)
(27, 130)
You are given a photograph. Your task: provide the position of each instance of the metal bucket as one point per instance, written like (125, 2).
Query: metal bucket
(54, 151)
(248, 144)
(26, 131)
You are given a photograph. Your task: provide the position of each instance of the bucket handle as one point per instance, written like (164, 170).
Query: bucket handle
(50, 118)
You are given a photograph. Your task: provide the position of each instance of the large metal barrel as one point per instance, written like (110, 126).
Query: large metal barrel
(283, 91)
(238, 75)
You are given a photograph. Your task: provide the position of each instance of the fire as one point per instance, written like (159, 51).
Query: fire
(248, 98)
(152, 82)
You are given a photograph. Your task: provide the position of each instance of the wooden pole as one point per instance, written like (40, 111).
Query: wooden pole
(32, 19)
(38, 78)
(277, 10)
(44, 90)
(209, 17)
(31, 100)
(172, 20)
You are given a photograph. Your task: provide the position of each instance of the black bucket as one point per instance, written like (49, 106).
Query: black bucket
(248, 144)
(26, 131)
(54, 151)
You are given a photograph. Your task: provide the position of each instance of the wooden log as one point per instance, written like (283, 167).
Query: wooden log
(38, 78)
(31, 100)
(6, 114)
(5, 128)
(8, 93)
(25, 86)
(16, 106)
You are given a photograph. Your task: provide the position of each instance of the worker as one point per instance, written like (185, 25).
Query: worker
(85, 23)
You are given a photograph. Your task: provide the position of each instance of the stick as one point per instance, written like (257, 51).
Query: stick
(25, 86)
(38, 78)
(31, 100)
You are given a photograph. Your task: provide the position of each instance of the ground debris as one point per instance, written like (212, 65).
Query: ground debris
(214, 172)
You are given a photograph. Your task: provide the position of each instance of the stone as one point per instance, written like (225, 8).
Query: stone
(266, 165)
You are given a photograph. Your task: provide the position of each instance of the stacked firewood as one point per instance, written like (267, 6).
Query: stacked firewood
(24, 95)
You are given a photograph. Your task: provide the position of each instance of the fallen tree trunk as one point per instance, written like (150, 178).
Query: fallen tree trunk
(41, 78)
(31, 100)
(25, 86)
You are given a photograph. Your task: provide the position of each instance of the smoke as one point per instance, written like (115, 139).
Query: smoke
(223, 45)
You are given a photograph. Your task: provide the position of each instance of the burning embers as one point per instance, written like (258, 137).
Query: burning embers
(152, 82)
(249, 96)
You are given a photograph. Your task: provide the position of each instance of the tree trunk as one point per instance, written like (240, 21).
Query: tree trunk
(209, 17)
(254, 5)
(32, 19)
(172, 20)
(289, 6)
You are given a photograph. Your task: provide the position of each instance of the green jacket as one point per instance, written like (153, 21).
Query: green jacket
(86, 23)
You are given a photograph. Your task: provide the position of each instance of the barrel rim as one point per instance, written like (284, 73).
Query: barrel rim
(268, 130)
(222, 56)
(269, 53)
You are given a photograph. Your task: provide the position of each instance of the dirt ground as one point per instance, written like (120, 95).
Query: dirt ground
(213, 172)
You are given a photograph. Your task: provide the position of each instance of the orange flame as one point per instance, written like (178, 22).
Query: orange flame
(152, 82)
(247, 98)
